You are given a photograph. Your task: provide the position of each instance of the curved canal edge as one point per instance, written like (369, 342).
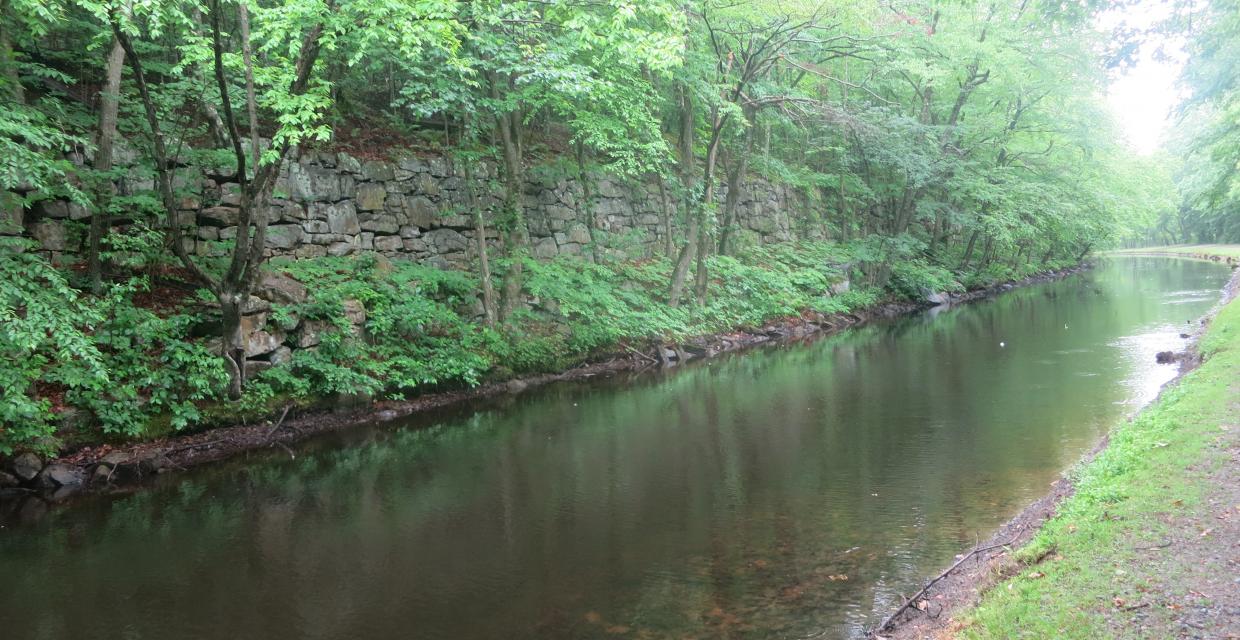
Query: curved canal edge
(126, 468)
(1135, 539)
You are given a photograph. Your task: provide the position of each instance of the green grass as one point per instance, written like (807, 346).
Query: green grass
(1222, 250)
(1154, 466)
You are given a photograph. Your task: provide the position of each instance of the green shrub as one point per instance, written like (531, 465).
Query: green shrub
(913, 278)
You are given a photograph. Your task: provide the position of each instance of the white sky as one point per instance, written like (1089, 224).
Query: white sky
(1143, 97)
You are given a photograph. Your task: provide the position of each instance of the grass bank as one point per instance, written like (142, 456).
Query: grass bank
(1145, 545)
(1202, 251)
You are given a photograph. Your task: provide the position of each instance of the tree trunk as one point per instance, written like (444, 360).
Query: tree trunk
(669, 248)
(233, 289)
(718, 122)
(968, 252)
(243, 17)
(8, 62)
(731, 202)
(681, 270)
(231, 302)
(586, 209)
(480, 240)
(516, 235)
(109, 104)
(701, 279)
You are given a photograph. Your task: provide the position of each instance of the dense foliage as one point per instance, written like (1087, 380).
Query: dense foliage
(939, 145)
(1207, 138)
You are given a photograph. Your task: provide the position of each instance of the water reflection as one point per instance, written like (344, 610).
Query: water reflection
(791, 492)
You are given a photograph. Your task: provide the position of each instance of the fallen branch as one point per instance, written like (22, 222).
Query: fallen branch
(272, 431)
(640, 354)
(886, 624)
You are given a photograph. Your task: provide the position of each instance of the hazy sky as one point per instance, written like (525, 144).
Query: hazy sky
(1142, 98)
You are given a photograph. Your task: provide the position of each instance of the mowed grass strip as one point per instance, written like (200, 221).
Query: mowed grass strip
(1223, 250)
(1128, 550)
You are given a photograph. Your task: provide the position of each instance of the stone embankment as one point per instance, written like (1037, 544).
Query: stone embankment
(418, 207)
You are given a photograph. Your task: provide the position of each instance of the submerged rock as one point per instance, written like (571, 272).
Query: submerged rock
(8, 480)
(1165, 357)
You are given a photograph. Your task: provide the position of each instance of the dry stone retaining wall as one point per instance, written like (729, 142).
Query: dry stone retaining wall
(416, 207)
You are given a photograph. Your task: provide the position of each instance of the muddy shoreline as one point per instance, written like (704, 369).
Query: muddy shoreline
(122, 469)
(932, 615)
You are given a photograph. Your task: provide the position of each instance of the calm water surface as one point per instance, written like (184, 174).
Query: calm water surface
(792, 492)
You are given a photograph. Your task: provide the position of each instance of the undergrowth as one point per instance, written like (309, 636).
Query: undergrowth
(130, 363)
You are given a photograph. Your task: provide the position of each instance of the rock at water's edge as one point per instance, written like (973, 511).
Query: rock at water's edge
(61, 475)
(27, 466)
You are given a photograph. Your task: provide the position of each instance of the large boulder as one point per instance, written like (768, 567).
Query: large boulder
(342, 218)
(370, 197)
(355, 312)
(27, 466)
(579, 234)
(281, 288)
(935, 298)
(421, 211)
(50, 234)
(312, 333)
(284, 236)
(259, 343)
(447, 240)
(546, 248)
(389, 243)
(378, 171)
(61, 475)
(219, 216)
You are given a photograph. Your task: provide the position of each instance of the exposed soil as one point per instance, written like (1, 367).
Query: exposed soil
(1193, 573)
(113, 469)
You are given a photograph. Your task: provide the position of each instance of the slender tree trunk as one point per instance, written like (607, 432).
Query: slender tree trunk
(231, 302)
(10, 203)
(681, 270)
(251, 103)
(109, 105)
(480, 240)
(701, 279)
(718, 122)
(586, 207)
(968, 251)
(736, 176)
(516, 234)
(8, 62)
(669, 247)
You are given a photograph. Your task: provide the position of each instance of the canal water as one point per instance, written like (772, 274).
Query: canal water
(789, 492)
